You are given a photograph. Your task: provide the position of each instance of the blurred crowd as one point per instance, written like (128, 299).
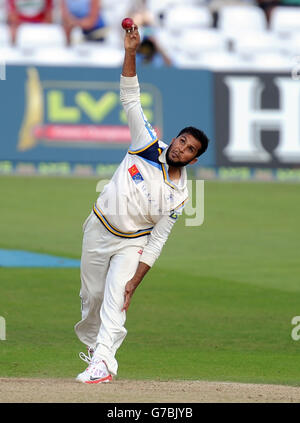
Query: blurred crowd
(98, 21)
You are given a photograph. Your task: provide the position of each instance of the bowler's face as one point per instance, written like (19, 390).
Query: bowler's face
(183, 150)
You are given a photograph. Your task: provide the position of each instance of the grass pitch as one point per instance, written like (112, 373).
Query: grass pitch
(217, 305)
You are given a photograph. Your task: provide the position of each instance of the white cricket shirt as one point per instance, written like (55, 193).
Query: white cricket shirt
(140, 199)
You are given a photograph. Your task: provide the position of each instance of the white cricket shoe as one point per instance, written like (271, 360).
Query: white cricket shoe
(96, 372)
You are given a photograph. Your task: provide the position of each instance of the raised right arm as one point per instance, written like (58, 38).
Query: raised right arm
(141, 131)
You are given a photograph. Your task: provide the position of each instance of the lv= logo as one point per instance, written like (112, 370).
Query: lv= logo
(80, 114)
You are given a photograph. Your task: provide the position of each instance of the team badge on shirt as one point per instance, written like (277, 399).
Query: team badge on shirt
(174, 215)
(135, 174)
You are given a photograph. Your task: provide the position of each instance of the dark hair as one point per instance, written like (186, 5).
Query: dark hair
(199, 135)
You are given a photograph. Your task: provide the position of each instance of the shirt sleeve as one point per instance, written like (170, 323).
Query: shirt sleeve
(141, 131)
(157, 240)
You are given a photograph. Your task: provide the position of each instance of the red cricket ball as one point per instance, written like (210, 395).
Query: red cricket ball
(127, 23)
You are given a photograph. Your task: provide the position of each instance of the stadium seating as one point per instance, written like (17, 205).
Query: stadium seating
(10, 55)
(251, 43)
(241, 41)
(39, 44)
(285, 20)
(212, 60)
(3, 13)
(234, 20)
(5, 36)
(114, 11)
(32, 36)
(93, 54)
(262, 50)
(161, 7)
(179, 19)
(52, 56)
(292, 45)
(195, 42)
(271, 61)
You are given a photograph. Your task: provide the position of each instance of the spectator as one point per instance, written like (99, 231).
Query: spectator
(141, 14)
(149, 52)
(24, 11)
(85, 14)
(267, 6)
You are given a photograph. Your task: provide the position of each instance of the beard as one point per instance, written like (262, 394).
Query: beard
(171, 162)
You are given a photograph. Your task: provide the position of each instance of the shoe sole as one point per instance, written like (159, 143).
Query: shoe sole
(103, 380)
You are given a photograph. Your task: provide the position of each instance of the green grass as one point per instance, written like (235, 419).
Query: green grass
(217, 305)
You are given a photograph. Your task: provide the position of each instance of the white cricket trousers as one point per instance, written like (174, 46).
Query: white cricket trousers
(108, 262)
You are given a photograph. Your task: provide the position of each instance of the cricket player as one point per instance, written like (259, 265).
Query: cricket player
(129, 224)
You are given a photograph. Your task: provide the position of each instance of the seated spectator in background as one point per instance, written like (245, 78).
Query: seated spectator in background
(267, 6)
(149, 52)
(85, 14)
(140, 13)
(24, 11)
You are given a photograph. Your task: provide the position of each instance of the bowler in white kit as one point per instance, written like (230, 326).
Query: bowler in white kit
(129, 224)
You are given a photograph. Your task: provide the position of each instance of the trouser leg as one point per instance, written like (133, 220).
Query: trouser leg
(93, 272)
(112, 332)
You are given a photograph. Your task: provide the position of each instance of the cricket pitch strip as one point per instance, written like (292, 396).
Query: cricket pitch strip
(25, 390)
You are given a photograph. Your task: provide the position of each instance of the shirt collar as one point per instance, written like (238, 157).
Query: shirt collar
(162, 157)
(183, 177)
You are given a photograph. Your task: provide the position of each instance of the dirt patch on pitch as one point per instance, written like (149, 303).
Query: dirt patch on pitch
(121, 391)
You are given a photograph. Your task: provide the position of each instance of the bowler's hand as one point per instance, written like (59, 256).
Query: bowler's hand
(132, 39)
(134, 282)
(129, 291)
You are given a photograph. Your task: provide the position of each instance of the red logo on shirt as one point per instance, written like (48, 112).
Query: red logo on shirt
(133, 170)
(140, 252)
(135, 174)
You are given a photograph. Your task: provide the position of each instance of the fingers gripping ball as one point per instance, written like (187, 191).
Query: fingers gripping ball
(127, 24)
